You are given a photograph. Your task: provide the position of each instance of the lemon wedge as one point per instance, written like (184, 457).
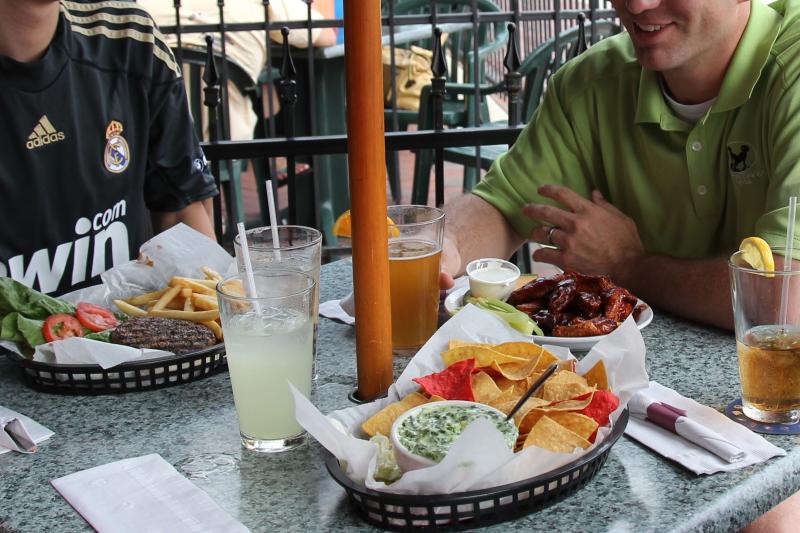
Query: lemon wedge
(343, 227)
(757, 253)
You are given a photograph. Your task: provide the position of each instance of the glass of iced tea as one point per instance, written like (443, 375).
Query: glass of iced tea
(768, 344)
(415, 250)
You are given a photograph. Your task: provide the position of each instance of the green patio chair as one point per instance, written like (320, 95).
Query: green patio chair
(535, 69)
(491, 36)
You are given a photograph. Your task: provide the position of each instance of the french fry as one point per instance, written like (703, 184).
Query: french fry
(128, 309)
(178, 281)
(205, 302)
(211, 274)
(166, 298)
(194, 316)
(215, 327)
(210, 283)
(145, 298)
(187, 300)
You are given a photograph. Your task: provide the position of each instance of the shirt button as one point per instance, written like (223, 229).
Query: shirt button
(697, 146)
(701, 190)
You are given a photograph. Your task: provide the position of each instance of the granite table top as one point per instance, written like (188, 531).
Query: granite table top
(193, 427)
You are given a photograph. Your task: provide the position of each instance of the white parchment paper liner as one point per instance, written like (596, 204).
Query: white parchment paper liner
(479, 458)
(178, 251)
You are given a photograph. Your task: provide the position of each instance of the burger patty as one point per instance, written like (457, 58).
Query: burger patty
(171, 334)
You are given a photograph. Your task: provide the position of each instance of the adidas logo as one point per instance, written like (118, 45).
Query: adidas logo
(43, 133)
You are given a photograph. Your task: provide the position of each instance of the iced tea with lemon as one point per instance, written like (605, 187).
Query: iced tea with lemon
(414, 285)
(769, 369)
(767, 332)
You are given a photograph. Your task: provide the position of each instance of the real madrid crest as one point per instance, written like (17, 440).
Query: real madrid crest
(117, 155)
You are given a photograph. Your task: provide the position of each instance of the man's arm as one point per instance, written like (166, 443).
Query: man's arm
(475, 229)
(197, 215)
(696, 289)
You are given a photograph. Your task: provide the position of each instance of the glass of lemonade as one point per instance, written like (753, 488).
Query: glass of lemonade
(768, 347)
(300, 249)
(415, 250)
(269, 344)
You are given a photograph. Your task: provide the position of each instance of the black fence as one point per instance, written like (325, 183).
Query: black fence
(475, 48)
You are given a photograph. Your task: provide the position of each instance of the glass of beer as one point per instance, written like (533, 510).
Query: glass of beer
(415, 250)
(269, 335)
(768, 344)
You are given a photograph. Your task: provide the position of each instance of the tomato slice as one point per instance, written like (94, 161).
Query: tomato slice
(61, 326)
(95, 318)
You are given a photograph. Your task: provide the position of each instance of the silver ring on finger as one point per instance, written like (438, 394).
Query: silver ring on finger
(550, 235)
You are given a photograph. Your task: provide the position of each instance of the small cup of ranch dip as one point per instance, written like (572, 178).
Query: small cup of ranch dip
(492, 278)
(422, 436)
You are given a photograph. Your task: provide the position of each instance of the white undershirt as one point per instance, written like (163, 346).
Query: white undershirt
(690, 113)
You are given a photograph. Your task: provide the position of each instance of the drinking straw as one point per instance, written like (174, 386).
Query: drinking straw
(787, 262)
(273, 221)
(248, 266)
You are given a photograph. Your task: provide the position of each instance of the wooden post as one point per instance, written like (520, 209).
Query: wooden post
(366, 159)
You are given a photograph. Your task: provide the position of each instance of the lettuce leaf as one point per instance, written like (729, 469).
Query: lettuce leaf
(18, 328)
(14, 296)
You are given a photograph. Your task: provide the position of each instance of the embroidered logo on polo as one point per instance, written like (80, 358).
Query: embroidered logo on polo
(43, 133)
(117, 154)
(742, 163)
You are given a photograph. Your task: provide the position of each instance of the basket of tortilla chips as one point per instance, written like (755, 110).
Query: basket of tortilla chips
(561, 436)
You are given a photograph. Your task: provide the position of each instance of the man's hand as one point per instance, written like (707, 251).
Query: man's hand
(451, 263)
(590, 236)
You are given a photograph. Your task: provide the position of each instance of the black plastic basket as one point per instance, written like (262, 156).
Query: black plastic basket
(475, 508)
(125, 377)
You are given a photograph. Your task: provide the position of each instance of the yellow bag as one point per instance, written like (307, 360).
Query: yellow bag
(413, 73)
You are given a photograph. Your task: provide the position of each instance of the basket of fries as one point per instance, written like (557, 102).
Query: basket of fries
(459, 442)
(161, 316)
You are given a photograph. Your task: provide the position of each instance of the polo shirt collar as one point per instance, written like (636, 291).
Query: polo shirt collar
(748, 61)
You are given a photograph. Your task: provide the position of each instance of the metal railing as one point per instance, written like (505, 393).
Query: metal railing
(527, 29)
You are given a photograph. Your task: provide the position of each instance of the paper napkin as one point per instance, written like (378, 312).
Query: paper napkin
(20, 433)
(700, 461)
(344, 310)
(143, 494)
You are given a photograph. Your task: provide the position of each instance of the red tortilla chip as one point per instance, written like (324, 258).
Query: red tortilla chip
(452, 383)
(602, 404)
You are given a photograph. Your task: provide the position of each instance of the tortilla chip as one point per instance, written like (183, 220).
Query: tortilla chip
(564, 385)
(435, 398)
(483, 355)
(579, 424)
(575, 404)
(455, 343)
(546, 359)
(515, 371)
(381, 422)
(551, 435)
(452, 383)
(597, 376)
(603, 403)
(527, 350)
(484, 388)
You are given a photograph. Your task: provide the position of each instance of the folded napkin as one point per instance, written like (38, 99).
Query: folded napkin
(19, 433)
(703, 440)
(142, 494)
(645, 407)
(344, 310)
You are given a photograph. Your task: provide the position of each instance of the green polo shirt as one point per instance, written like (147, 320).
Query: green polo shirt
(693, 190)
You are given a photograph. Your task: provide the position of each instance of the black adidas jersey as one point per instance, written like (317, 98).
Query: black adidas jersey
(92, 135)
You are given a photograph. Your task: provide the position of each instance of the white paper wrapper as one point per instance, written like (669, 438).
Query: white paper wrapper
(178, 251)
(479, 458)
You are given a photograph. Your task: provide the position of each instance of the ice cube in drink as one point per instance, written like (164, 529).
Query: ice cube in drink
(414, 287)
(769, 369)
(266, 351)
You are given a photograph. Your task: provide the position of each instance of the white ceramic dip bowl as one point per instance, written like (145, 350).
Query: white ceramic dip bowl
(492, 278)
